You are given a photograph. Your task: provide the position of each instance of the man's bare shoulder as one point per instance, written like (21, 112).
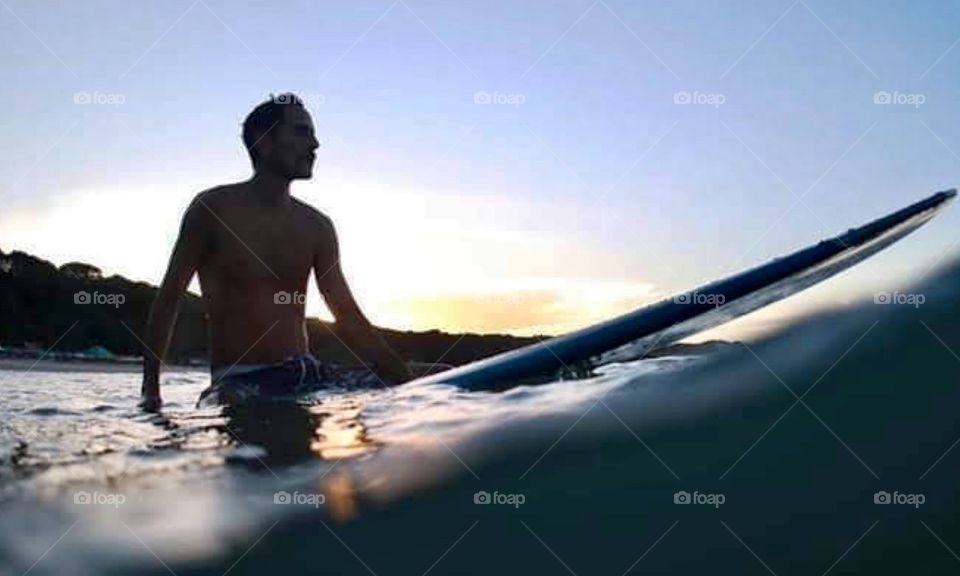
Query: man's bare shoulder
(313, 216)
(218, 196)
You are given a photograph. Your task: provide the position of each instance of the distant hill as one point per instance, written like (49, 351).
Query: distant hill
(44, 306)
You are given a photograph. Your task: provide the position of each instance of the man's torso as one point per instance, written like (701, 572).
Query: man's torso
(253, 275)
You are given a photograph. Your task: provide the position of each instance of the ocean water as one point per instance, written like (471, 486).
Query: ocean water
(826, 448)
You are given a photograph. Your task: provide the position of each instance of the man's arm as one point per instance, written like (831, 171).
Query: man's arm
(163, 313)
(351, 322)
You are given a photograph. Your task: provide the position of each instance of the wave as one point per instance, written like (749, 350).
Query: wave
(797, 433)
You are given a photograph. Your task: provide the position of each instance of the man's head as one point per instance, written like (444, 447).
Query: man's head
(279, 137)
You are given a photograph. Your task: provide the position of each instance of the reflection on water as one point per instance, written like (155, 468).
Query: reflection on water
(272, 436)
(291, 433)
(56, 434)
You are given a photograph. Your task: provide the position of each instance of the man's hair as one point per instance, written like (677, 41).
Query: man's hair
(264, 118)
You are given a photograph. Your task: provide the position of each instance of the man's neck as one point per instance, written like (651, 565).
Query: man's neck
(270, 189)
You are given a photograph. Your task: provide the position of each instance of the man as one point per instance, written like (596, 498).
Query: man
(253, 246)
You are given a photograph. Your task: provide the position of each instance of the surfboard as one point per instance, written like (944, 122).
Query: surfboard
(688, 313)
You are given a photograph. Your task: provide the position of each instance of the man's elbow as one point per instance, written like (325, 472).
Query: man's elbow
(165, 302)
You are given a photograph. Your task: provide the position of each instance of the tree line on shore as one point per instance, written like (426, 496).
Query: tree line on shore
(74, 307)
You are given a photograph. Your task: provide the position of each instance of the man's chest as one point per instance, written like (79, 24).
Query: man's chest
(271, 248)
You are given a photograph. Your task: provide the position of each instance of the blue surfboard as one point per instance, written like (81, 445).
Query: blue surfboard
(706, 307)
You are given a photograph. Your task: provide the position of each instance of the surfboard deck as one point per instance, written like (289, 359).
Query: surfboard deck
(685, 314)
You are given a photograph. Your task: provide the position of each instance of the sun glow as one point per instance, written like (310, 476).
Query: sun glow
(412, 258)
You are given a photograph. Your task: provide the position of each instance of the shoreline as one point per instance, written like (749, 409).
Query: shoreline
(31, 365)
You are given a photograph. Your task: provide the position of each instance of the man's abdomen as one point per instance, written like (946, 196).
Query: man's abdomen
(256, 329)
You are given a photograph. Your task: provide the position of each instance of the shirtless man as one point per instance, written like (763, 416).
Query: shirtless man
(253, 246)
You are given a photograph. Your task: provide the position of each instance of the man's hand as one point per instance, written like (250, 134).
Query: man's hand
(390, 368)
(421, 369)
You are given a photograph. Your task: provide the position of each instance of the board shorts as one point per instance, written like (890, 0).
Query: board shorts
(290, 379)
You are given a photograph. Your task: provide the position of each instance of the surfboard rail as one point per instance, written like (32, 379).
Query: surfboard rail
(697, 310)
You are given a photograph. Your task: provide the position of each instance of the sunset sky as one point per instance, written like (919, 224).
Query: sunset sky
(494, 166)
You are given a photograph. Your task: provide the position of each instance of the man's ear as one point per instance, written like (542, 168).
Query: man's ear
(264, 147)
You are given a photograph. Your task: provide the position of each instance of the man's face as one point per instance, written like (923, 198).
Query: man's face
(292, 144)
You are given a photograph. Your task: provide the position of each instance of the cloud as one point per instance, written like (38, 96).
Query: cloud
(531, 306)
(121, 231)
(483, 313)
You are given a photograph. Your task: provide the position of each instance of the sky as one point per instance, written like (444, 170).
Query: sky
(494, 166)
